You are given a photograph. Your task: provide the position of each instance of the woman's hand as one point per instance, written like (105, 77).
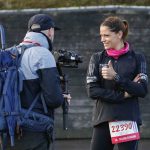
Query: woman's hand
(136, 79)
(108, 71)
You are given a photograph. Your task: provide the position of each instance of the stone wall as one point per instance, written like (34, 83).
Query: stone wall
(80, 32)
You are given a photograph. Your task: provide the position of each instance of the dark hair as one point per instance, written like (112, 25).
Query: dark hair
(115, 24)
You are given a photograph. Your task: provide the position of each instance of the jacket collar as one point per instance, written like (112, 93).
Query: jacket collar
(35, 37)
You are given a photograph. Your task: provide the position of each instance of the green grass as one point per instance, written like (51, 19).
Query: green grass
(23, 4)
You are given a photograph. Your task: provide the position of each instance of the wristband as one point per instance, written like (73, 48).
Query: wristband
(117, 77)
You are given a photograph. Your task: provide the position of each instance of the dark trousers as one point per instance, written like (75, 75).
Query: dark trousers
(31, 141)
(101, 140)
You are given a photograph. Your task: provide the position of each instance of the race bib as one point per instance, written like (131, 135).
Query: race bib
(123, 131)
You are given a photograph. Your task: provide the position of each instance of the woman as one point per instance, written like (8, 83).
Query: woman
(116, 77)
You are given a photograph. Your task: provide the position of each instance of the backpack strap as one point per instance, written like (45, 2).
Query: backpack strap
(22, 50)
(44, 104)
(32, 105)
(34, 102)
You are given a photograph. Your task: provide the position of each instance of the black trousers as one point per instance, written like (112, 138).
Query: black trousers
(31, 141)
(101, 140)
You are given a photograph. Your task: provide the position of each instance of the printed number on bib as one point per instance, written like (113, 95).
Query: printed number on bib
(123, 131)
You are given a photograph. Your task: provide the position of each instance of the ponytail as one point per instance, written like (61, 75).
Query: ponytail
(125, 31)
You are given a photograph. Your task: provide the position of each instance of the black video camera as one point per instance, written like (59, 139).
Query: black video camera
(67, 58)
(70, 59)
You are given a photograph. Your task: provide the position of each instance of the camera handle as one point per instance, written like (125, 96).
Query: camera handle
(65, 106)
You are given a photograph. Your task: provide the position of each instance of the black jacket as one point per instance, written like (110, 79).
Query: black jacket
(109, 94)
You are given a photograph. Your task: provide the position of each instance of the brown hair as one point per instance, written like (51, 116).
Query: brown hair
(115, 24)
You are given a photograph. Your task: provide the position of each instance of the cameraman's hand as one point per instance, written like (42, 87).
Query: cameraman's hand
(108, 72)
(67, 97)
(127, 95)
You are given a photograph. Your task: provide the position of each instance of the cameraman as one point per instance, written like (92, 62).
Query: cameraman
(40, 72)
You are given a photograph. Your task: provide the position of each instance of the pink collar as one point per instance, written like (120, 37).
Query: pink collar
(33, 42)
(117, 53)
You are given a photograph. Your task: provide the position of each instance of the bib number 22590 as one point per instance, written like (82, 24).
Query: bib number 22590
(123, 131)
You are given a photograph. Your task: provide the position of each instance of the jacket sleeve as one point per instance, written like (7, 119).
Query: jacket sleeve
(94, 88)
(50, 85)
(138, 89)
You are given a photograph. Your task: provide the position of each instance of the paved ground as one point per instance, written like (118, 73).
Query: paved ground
(85, 144)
